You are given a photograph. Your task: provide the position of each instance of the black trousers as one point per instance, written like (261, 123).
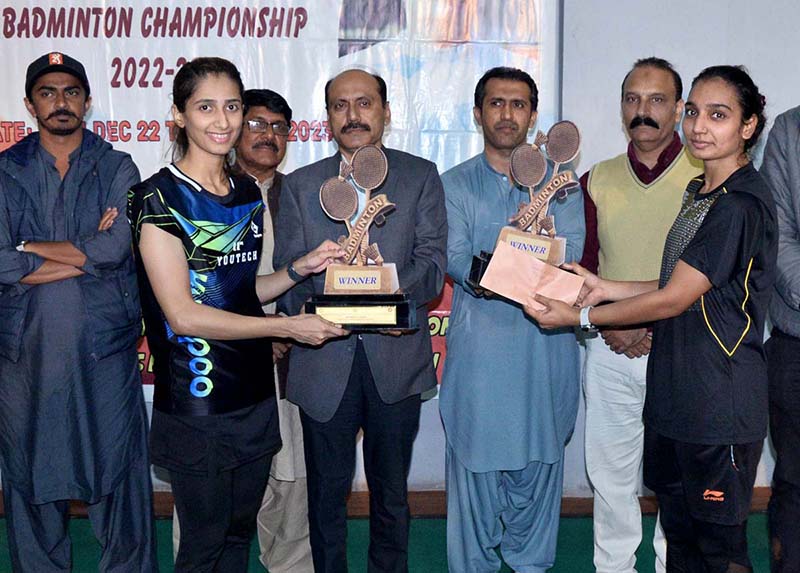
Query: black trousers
(389, 431)
(783, 356)
(217, 513)
(704, 494)
(122, 521)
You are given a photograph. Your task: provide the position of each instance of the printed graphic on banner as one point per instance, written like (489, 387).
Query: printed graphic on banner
(430, 53)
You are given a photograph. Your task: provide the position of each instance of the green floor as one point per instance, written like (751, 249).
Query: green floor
(427, 546)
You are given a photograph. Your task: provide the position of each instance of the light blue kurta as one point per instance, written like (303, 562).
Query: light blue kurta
(509, 394)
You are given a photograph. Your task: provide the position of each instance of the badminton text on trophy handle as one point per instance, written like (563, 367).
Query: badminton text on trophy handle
(376, 206)
(527, 216)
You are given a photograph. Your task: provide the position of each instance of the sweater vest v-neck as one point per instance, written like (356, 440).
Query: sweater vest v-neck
(633, 219)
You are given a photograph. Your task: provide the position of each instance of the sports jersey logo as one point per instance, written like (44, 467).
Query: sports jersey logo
(216, 238)
(254, 228)
(713, 495)
(200, 366)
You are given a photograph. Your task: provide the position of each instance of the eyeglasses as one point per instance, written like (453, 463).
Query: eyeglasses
(260, 126)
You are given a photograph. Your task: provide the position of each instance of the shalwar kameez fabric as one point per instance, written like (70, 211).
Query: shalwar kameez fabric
(282, 523)
(73, 423)
(706, 406)
(509, 395)
(215, 424)
(781, 169)
(629, 210)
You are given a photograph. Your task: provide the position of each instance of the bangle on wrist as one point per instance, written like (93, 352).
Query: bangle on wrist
(293, 274)
(586, 324)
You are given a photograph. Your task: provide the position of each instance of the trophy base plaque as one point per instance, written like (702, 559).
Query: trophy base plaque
(364, 298)
(366, 313)
(549, 250)
(361, 279)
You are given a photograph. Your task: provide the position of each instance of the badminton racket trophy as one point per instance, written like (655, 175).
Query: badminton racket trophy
(361, 293)
(532, 230)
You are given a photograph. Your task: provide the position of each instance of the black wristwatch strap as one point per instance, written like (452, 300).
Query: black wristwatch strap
(293, 274)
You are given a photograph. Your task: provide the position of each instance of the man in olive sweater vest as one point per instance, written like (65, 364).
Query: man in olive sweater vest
(631, 202)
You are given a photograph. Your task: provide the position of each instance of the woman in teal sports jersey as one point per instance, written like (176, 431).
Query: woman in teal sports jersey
(706, 406)
(197, 229)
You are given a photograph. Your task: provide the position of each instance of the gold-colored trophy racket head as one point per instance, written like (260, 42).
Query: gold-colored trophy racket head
(563, 142)
(338, 199)
(528, 165)
(369, 167)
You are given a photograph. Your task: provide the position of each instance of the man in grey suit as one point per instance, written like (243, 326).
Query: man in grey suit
(370, 381)
(781, 169)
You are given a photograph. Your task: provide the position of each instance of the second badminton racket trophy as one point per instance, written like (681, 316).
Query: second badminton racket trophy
(532, 230)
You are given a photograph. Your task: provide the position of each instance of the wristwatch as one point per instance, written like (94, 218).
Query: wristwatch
(586, 324)
(293, 274)
(21, 246)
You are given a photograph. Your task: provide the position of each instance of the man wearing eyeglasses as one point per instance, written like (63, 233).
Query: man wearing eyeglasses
(283, 519)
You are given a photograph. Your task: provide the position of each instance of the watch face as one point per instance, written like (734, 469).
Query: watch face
(586, 324)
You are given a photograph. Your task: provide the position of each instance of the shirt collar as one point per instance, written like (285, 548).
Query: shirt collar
(665, 159)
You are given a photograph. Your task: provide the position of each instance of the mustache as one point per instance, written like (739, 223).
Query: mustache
(644, 120)
(505, 124)
(355, 125)
(269, 144)
(64, 112)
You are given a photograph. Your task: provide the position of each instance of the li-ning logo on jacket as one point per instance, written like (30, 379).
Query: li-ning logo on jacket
(713, 495)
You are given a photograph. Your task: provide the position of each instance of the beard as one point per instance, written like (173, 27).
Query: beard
(60, 130)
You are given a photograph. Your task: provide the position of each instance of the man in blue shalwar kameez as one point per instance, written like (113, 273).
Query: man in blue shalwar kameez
(72, 418)
(509, 396)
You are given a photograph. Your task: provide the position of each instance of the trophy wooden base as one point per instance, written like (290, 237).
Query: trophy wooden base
(551, 251)
(366, 312)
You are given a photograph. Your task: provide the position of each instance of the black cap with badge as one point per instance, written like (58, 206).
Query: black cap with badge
(54, 62)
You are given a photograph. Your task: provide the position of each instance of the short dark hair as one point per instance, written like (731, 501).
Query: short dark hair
(751, 100)
(504, 73)
(381, 84)
(659, 64)
(269, 99)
